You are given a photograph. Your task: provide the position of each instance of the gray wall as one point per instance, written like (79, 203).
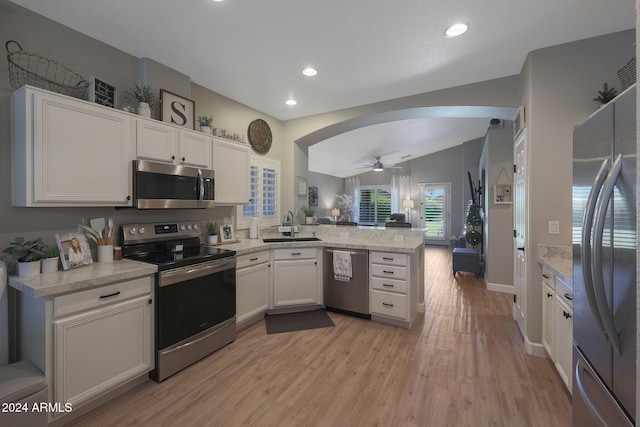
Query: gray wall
(328, 186)
(559, 84)
(497, 156)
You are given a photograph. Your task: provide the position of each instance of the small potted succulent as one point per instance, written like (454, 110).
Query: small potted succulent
(145, 96)
(28, 254)
(309, 213)
(50, 259)
(205, 124)
(212, 231)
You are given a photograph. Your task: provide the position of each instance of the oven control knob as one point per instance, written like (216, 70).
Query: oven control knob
(182, 227)
(189, 226)
(132, 231)
(141, 230)
(195, 226)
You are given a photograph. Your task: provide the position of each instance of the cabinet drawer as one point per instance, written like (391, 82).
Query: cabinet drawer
(565, 291)
(295, 253)
(388, 304)
(389, 285)
(547, 277)
(388, 258)
(252, 259)
(389, 271)
(97, 297)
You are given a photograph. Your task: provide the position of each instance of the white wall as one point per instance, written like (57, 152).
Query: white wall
(328, 186)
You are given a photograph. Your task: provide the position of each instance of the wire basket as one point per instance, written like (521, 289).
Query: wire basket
(27, 68)
(627, 74)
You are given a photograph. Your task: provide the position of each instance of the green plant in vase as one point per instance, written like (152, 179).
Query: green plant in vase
(606, 94)
(144, 95)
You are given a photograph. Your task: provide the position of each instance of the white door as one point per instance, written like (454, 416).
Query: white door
(520, 223)
(435, 210)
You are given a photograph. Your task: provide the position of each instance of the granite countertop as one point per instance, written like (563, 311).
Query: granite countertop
(79, 279)
(558, 259)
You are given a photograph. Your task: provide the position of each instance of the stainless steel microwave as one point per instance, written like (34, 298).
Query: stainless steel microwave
(164, 186)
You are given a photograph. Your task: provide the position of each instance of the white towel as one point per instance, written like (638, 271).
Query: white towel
(342, 266)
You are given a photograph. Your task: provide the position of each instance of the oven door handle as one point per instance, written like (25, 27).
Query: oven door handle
(182, 274)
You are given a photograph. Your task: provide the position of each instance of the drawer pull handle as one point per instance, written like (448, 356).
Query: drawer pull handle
(296, 253)
(110, 295)
(253, 259)
(386, 304)
(387, 259)
(387, 285)
(568, 296)
(387, 272)
(546, 276)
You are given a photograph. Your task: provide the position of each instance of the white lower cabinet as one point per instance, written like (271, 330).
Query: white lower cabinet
(557, 325)
(390, 278)
(90, 342)
(297, 277)
(564, 337)
(253, 285)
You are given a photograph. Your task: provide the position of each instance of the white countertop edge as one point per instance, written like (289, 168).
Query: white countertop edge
(255, 245)
(92, 276)
(562, 267)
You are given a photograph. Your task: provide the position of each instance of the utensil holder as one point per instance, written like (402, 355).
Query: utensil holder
(105, 253)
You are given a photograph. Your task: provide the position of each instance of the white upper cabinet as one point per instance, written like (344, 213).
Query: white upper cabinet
(232, 166)
(69, 152)
(169, 144)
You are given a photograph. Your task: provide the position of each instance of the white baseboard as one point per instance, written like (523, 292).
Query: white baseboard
(497, 287)
(534, 348)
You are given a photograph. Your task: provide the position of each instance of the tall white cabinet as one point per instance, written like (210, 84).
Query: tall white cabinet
(232, 166)
(69, 152)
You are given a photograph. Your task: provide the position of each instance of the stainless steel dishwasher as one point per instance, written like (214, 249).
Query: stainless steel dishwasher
(348, 296)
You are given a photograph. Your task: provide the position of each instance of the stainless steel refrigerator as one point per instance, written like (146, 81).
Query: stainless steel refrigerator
(604, 265)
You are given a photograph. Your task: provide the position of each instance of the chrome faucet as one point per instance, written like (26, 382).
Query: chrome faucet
(290, 217)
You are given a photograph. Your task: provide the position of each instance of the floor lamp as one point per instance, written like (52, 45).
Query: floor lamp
(407, 204)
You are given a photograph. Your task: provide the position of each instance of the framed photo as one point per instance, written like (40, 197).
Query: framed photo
(226, 233)
(313, 196)
(177, 110)
(301, 186)
(102, 92)
(502, 194)
(74, 250)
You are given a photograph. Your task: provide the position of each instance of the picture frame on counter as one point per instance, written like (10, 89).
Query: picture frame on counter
(74, 250)
(177, 110)
(227, 234)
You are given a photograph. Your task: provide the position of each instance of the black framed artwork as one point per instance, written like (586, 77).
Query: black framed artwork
(177, 110)
(313, 196)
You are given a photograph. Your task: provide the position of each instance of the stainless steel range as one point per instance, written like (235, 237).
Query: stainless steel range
(195, 292)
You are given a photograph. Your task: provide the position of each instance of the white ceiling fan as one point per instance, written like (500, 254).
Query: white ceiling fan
(378, 166)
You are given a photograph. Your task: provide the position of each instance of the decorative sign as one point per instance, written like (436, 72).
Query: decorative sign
(102, 92)
(177, 110)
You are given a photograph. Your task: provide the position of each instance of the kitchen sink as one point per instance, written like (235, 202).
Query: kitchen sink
(289, 239)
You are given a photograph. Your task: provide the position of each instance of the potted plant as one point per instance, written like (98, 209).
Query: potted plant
(50, 259)
(205, 124)
(309, 212)
(212, 231)
(606, 94)
(144, 95)
(28, 254)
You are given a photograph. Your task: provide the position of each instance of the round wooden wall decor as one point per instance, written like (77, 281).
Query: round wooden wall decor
(260, 136)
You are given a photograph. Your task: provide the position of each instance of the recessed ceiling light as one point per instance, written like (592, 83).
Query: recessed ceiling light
(456, 29)
(309, 71)
(291, 102)
(218, 0)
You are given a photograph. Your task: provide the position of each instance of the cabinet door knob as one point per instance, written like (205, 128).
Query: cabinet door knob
(173, 157)
(183, 159)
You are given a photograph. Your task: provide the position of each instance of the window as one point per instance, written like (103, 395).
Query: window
(375, 204)
(264, 193)
(435, 206)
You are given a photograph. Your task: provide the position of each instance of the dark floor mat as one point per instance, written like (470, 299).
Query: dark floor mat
(278, 323)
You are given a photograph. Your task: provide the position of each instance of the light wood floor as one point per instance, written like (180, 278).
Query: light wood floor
(463, 364)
